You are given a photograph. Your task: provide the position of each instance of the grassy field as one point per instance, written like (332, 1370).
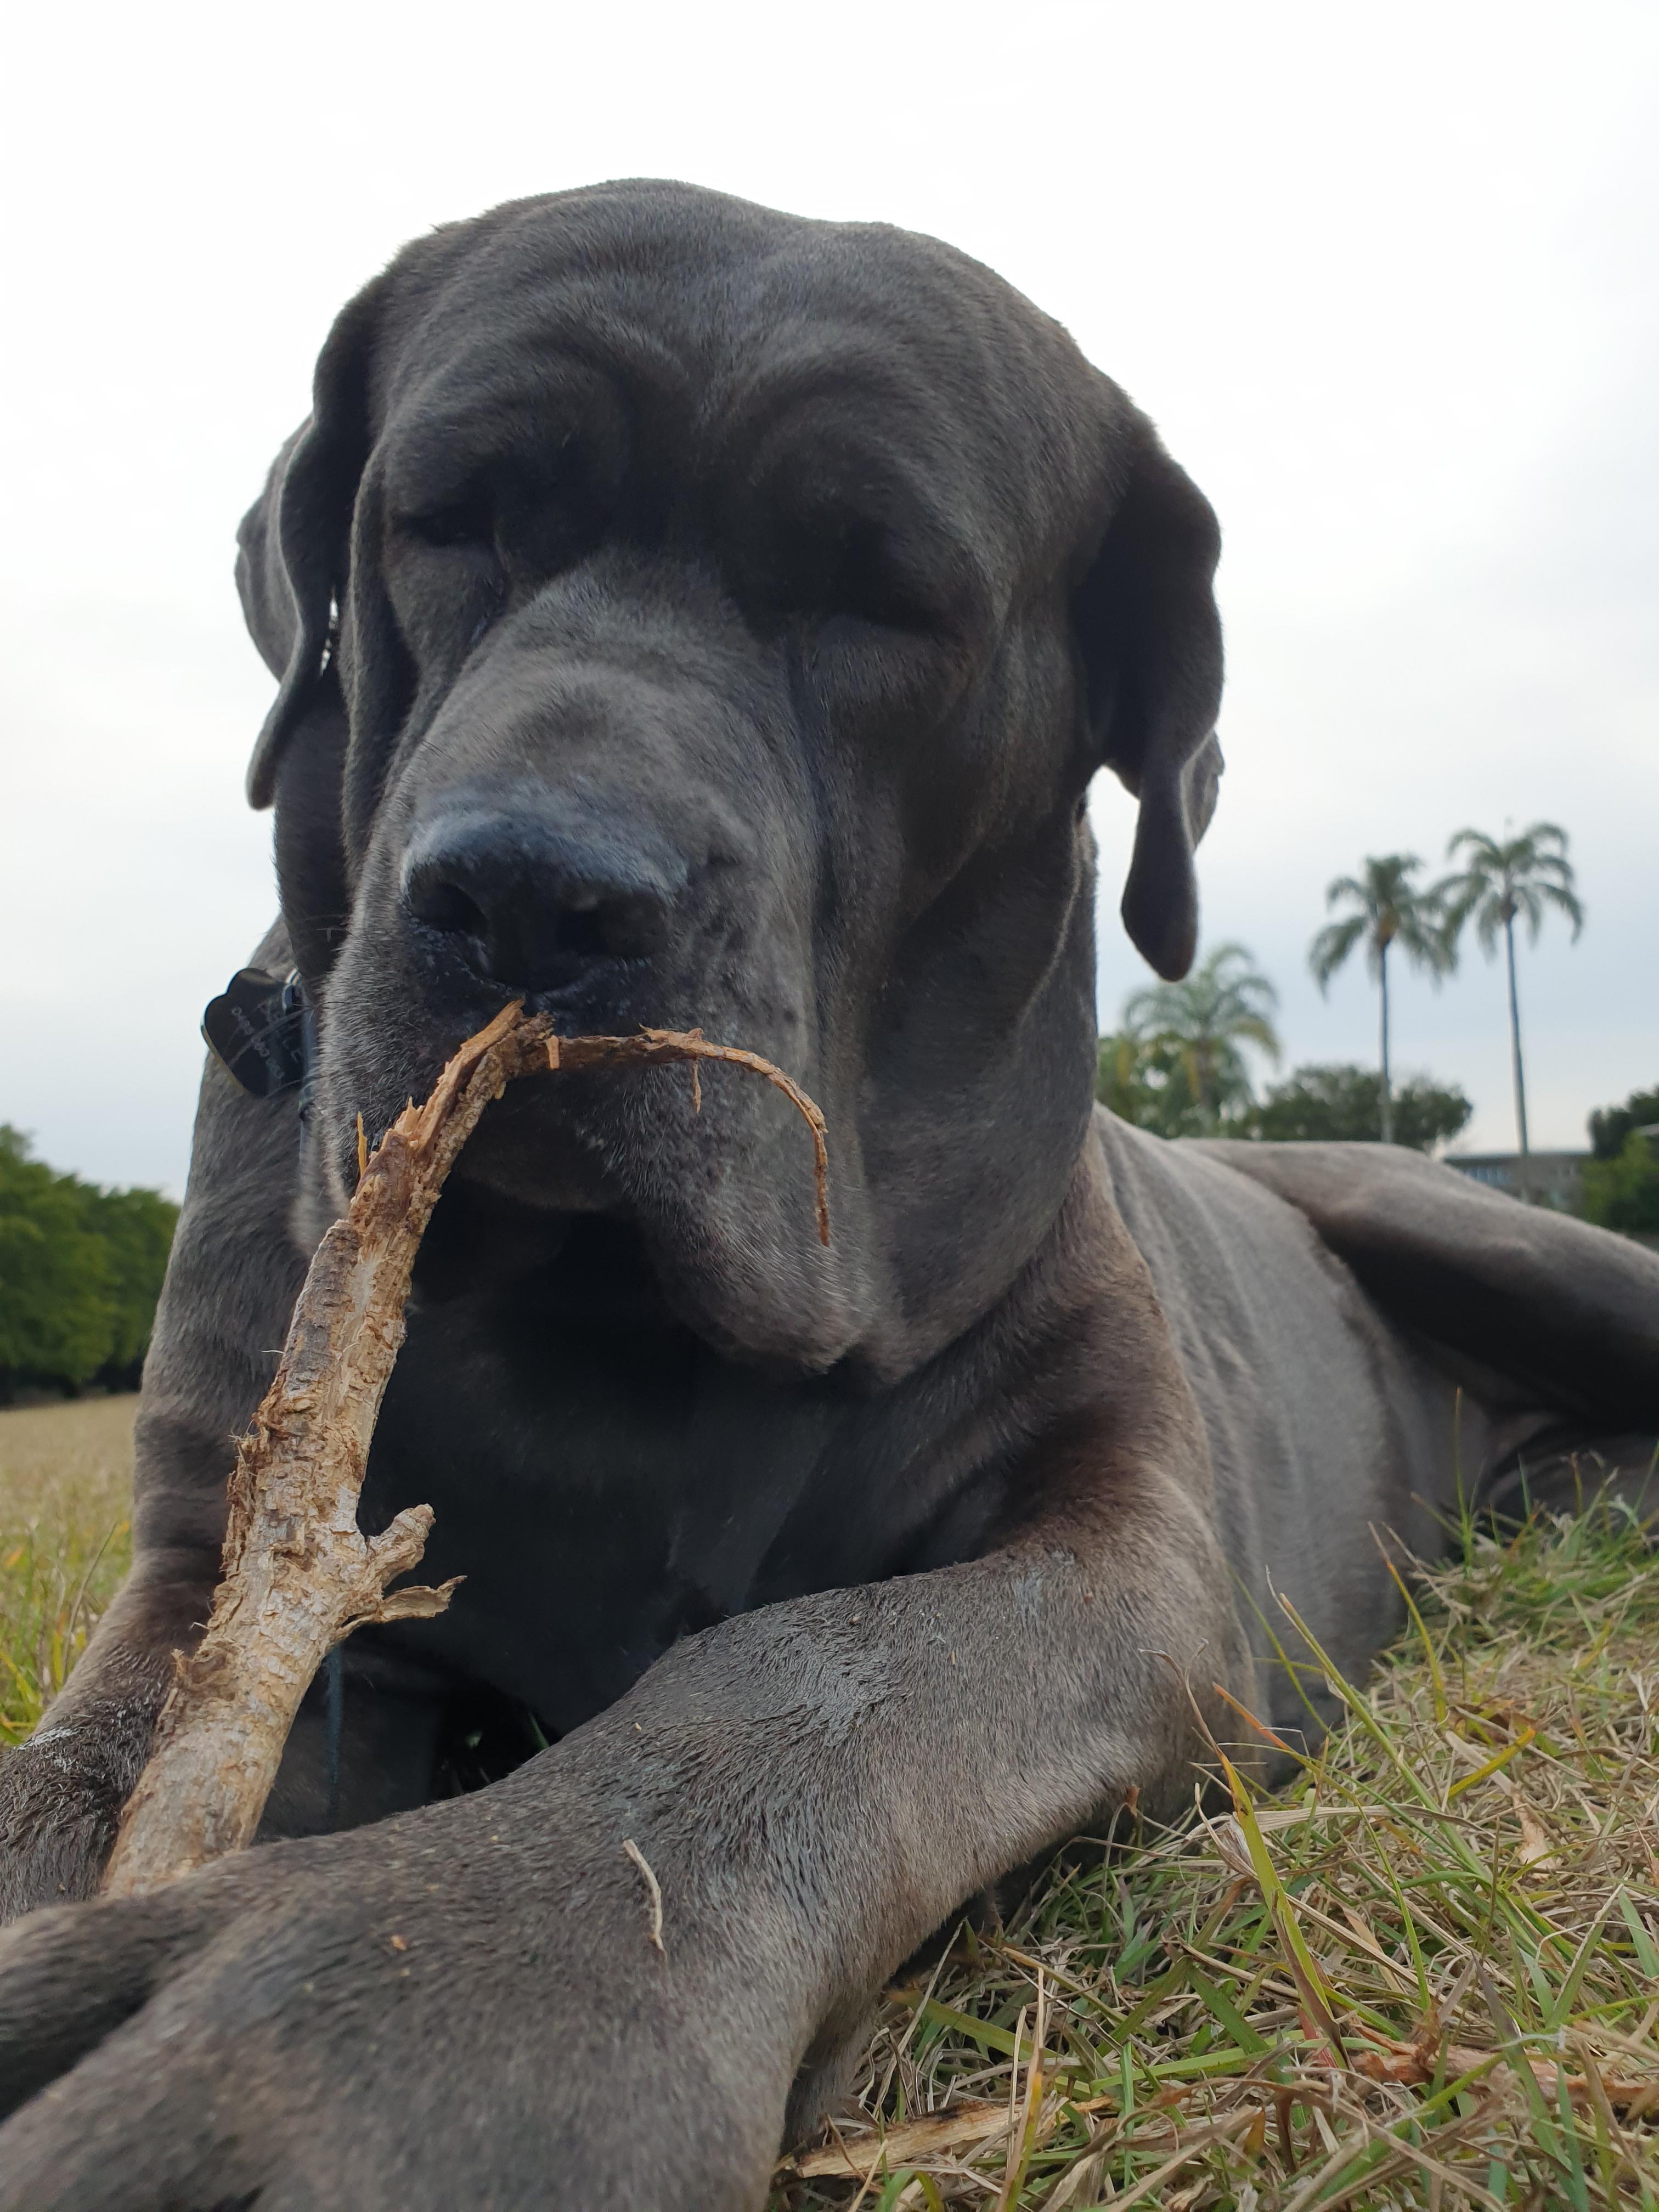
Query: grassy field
(66, 1483)
(1425, 1975)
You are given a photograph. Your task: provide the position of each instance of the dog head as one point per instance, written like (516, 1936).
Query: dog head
(691, 616)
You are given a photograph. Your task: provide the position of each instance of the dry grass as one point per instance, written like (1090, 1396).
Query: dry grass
(65, 1490)
(1427, 1974)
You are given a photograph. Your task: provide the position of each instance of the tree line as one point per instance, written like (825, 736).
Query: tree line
(1187, 1035)
(81, 1269)
(1177, 1063)
(1621, 1177)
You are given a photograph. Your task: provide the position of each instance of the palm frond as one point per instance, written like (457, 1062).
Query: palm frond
(1347, 887)
(1142, 1012)
(1331, 948)
(1421, 937)
(1484, 851)
(1256, 1029)
(1567, 902)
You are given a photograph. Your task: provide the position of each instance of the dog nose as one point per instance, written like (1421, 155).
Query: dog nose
(530, 901)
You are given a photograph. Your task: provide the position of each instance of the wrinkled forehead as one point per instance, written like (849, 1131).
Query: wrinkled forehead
(717, 319)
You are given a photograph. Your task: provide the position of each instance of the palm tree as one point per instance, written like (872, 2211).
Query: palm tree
(1199, 1026)
(1389, 910)
(1522, 876)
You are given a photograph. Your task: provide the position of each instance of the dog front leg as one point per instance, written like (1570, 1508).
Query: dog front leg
(853, 1766)
(235, 1272)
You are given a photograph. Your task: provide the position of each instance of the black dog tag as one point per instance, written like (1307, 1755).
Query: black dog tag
(254, 1026)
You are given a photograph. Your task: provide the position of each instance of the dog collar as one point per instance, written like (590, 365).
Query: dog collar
(262, 1029)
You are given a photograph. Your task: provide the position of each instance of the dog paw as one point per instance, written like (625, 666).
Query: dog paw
(448, 2008)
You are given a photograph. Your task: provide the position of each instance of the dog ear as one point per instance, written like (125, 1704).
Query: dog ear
(293, 544)
(1150, 640)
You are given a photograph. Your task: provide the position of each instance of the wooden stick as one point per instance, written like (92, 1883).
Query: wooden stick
(1415, 2064)
(298, 1575)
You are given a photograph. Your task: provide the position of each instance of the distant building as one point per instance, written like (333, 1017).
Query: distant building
(1553, 1178)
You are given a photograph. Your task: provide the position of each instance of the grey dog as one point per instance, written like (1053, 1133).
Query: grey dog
(688, 615)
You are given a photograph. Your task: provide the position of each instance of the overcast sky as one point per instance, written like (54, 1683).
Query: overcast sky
(1384, 275)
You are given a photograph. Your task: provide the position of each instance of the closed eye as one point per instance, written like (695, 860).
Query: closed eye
(532, 517)
(464, 522)
(867, 581)
(834, 562)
